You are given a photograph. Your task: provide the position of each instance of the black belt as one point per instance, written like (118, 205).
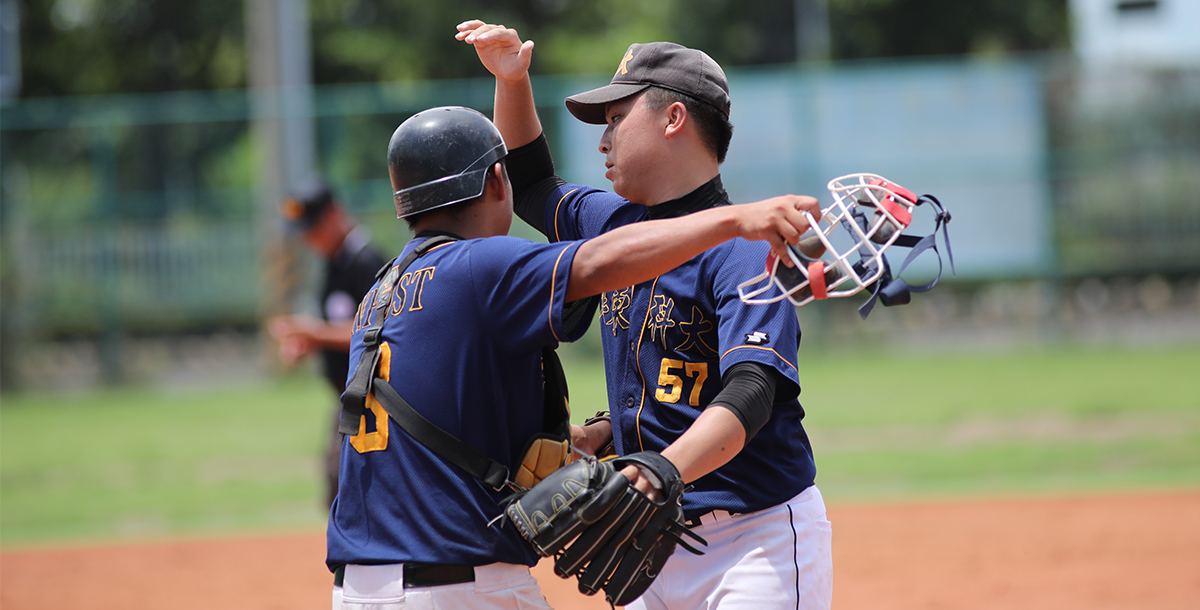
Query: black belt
(424, 575)
(431, 575)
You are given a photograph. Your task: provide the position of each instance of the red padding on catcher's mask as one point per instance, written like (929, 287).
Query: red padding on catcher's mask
(816, 279)
(895, 188)
(899, 212)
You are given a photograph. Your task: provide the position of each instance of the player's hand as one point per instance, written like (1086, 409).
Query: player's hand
(295, 337)
(499, 48)
(591, 439)
(779, 221)
(642, 481)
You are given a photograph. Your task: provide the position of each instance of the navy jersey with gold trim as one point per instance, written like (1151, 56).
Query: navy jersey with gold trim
(462, 344)
(668, 341)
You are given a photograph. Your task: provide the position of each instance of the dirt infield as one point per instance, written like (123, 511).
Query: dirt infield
(1131, 552)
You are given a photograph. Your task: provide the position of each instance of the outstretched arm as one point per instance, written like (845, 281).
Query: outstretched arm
(638, 252)
(504, 55)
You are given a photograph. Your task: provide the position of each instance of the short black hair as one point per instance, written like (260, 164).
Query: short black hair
(713, 126)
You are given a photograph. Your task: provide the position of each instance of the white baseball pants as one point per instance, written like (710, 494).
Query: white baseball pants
(503, 586)
(774, 559)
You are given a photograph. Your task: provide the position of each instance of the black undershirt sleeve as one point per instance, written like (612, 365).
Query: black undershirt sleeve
(749, 391)
(531, 171)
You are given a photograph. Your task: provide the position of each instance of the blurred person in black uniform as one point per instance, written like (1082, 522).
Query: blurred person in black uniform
(351, 263)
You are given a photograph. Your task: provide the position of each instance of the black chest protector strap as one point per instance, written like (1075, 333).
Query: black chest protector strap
(355, 396)
(450, 447)
(366, 380)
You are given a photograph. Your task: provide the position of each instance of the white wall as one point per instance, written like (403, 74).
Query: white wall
(1146, 33)
(970, 133)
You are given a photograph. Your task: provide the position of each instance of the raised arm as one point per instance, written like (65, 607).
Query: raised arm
(635, 253)
(507, 58)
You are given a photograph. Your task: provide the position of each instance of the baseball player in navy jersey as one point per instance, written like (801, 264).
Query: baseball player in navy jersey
(464, 314)
(691, 371)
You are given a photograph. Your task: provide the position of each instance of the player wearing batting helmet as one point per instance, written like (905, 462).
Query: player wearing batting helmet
(456, 327)
(691, 372)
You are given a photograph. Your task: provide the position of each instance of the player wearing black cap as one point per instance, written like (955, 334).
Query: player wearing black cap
(691, 372)
(456, 327)
(351, 261)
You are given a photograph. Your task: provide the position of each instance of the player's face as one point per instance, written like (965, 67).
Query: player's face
(633, 148)
(326, 236)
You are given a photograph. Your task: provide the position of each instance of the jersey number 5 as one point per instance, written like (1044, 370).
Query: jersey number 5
(376, 439)
(671, 385)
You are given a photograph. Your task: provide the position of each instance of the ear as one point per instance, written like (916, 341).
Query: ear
(494, 185)
(677, 119)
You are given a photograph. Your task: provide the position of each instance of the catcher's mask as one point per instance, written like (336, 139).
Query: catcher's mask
(873, 213)
(440, 157)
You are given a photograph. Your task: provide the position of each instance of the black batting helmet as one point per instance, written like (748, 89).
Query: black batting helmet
(441, 156)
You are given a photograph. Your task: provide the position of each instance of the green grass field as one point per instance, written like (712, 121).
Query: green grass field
(145, 463)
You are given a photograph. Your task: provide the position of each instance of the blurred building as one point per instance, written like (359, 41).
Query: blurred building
(1136, 33)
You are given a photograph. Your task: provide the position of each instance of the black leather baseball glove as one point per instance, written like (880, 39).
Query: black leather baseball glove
(601, 528)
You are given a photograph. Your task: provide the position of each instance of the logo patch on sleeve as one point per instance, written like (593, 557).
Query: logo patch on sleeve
(757, 337)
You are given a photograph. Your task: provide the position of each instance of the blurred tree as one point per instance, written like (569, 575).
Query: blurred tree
(87, 47)
(899, 28)
(74, 47)
(80, 47)
(366, 40)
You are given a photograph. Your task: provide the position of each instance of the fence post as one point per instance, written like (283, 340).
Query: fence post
(281, 107)
(109, 266)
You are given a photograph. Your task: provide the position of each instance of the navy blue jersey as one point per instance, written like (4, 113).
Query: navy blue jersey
(668, 341)
(462, 344)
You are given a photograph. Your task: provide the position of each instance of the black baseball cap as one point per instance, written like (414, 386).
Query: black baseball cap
(306, 203)
(660, 64)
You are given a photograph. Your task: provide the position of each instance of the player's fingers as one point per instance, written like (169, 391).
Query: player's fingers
(279, 327)
(631, 472)
(779, 249)
(290, 352)
(791, 226)
(467, 28)
(483, 33)
(472, 36)
(641, 481)
(810, 205)
(494, 32)
(794, 208)
(815, 213)
(804, 218)
(500, 37)
(803, 204)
